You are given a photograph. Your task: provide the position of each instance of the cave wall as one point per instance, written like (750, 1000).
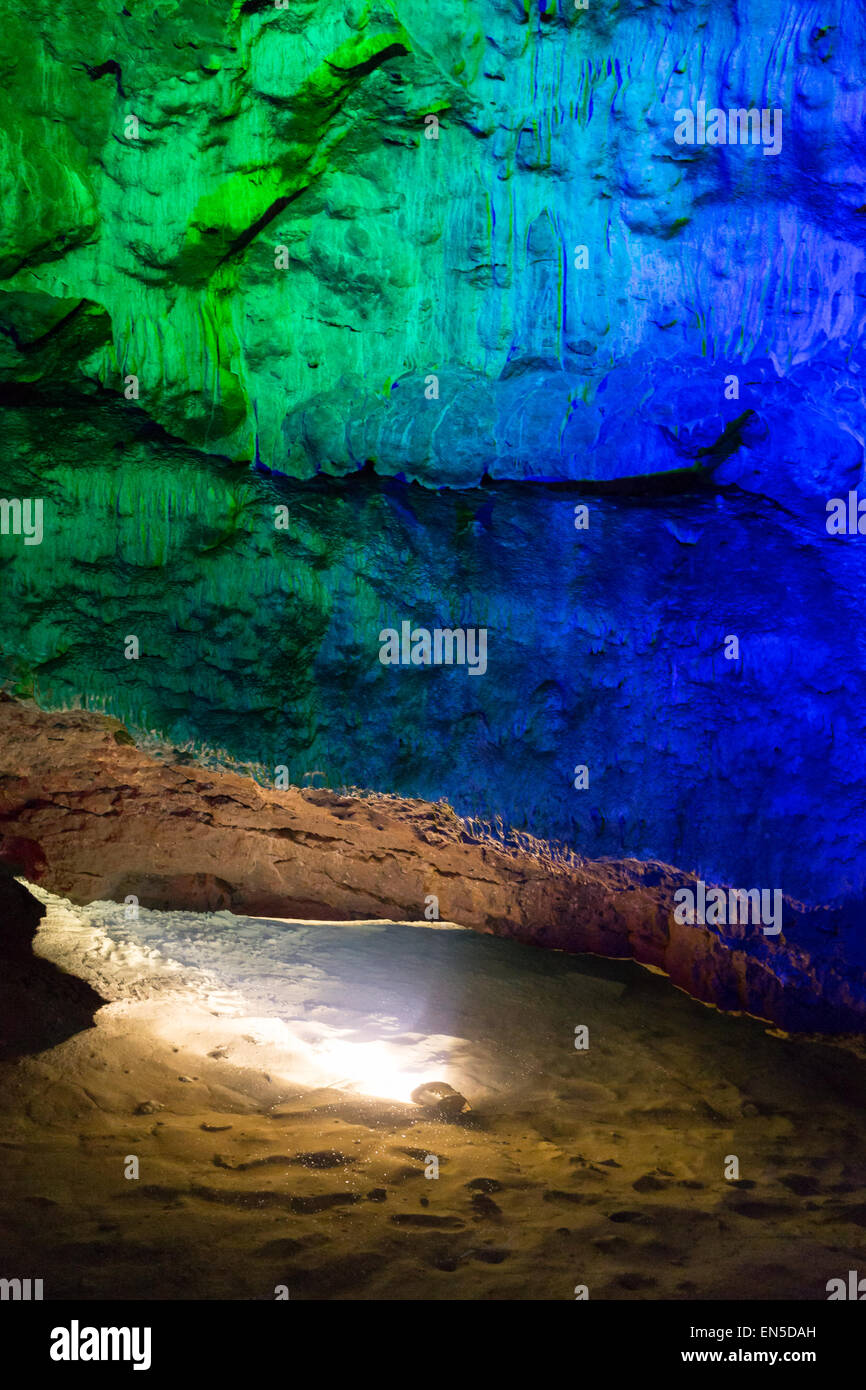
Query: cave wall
(168, 382)
(605, 647)
(307, 128)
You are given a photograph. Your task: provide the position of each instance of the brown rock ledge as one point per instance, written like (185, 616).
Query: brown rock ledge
(92, 817)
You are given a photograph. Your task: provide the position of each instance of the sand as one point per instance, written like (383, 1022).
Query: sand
(259, 1070)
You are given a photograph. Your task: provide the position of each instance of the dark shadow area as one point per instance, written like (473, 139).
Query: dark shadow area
(40, 1006)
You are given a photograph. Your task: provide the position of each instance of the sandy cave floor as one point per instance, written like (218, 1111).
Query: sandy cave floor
(271, 1063)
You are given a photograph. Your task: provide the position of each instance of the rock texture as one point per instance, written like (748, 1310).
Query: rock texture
(606, 646)
(156, 160)
(229, 239)
(93, 817)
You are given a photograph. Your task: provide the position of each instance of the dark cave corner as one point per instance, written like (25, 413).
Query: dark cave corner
(40, 1006)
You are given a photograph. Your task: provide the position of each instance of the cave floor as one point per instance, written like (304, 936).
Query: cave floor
(259, 1072)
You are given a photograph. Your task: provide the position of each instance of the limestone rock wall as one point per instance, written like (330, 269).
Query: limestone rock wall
(406, 257)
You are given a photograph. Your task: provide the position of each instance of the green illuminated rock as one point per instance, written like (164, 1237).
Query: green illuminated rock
(447, 240)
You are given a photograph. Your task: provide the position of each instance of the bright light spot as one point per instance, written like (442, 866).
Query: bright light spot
(373, 1068)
